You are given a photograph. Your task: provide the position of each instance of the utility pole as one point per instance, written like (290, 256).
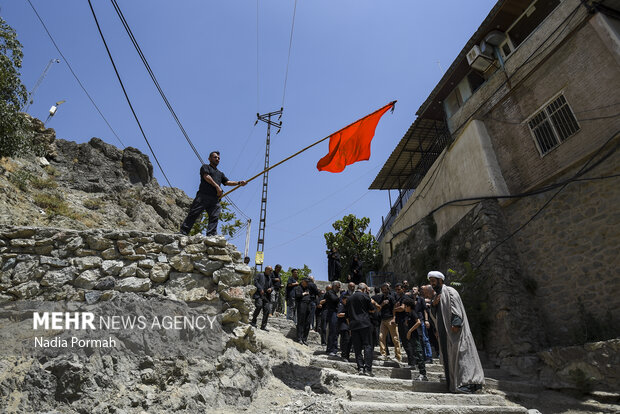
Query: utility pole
(36, 85)
(247, 239)
(260, 246)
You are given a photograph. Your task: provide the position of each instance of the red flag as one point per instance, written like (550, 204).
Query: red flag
(351, 144)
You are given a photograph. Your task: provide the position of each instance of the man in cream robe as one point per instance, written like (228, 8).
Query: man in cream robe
(460, 357)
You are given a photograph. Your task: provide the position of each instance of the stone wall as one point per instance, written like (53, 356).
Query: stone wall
(126, 274)
(507, 323)
(95, 265)
(571, 252)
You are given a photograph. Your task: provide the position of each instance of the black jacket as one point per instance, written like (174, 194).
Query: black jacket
(262, 282)
(332, 299)
(310, 297)
(276, 285)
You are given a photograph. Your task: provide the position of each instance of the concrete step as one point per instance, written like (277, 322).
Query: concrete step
(409, 397)
(331, 377)
(382, 408)
(379, 370)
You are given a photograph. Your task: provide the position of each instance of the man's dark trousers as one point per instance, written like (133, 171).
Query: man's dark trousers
(303, 321)
(312, 314)
(261, 303)
(203, 203)
(345, 344)
(360, 338)
(323, 326)
(332, 333)
(402, 334)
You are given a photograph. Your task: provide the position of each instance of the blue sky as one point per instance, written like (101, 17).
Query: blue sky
(348, 58)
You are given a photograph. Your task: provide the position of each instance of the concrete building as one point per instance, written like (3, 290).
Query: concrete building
(512, 166)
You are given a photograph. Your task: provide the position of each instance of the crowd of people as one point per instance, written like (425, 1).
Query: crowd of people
(420, 322)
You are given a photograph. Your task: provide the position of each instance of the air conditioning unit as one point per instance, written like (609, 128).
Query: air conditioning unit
(478, 60)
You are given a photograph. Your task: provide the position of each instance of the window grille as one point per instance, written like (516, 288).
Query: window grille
(553, 125)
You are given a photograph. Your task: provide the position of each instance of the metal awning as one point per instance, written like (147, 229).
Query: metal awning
(413, 156)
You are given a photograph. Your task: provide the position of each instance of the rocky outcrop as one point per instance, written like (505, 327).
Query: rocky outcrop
(89, 185)
(593, 366)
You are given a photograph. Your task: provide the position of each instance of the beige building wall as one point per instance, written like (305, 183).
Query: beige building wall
(468, 168)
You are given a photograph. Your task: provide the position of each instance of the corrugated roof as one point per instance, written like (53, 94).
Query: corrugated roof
(413, 155)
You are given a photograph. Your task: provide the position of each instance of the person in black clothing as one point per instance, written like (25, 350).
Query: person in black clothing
(332, 299)
(420, 308)
(317, 312)
(375, 318)
(413, 334)
(262, 296)
(208, 195)
(343, 328)
(304, 294)
(323, 309)
(276, 285)
(357, 311)
(399, 317)
(314, 294)
(355, 275)
(333, 264)
(291, 308)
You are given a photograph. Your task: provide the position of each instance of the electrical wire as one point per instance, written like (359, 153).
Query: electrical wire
(257, 71)
(146, 64)
(575, 178)
(153, 78)
(125, 93)
(582, 171)
(320, 224)
(75, 75)
(288, 60)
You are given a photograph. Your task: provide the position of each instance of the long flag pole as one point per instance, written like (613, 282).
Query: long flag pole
(306, 148)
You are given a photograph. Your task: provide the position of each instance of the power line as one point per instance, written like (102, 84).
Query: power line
(579, 173)
(320, 224)
(257, 71)
(153, 78)
(74, 74)
(125, 93)
(288, 60)
(146, 64)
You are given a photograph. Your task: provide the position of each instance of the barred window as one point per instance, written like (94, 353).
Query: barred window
(553, 125)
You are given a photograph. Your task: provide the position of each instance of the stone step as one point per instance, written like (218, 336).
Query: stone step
(409, 397)
(509, 386)
(331, 377)
(380, 371)
(382, 408)
(379, 362)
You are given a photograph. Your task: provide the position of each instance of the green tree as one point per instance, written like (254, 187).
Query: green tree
(350, 239)
(227, 216)
(13, 95)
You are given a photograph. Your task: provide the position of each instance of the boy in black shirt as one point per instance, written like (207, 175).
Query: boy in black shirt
(413, 326)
